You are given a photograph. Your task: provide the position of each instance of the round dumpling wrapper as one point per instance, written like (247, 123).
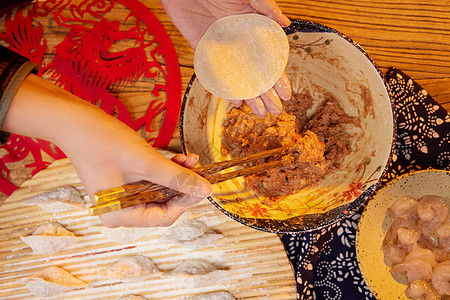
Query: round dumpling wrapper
(241, 56)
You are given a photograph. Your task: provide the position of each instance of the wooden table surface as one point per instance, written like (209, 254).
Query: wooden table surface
(412, 35)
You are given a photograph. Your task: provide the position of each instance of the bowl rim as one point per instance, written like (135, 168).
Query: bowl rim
(276, 226)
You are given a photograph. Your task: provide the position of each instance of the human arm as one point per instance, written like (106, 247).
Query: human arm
(193, 17)
(104, 151)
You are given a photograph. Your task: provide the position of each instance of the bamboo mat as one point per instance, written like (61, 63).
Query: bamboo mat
(255, 262)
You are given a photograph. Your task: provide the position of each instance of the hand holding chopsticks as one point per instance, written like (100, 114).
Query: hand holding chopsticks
(144, 192)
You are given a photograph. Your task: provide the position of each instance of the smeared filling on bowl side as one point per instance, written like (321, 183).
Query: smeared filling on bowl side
(319, 139)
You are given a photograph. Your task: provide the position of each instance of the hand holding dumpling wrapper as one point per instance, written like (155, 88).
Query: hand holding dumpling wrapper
(243, 57)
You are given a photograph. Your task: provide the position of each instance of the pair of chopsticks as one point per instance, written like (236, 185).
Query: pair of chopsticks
(145, 192)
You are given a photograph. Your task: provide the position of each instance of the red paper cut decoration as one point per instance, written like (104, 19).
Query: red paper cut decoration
(85, 64)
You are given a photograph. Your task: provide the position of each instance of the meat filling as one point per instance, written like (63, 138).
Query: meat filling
(319, 141)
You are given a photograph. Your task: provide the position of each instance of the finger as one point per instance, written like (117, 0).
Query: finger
(179, 159)
(191, 160)
(272, 102)
(271, 9)
(168, 173)
(283, 88)
(257, 106)
(170, 211)
(236, 103)
(188, 161)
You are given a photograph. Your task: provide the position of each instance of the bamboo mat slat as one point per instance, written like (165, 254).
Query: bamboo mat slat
(254, 262)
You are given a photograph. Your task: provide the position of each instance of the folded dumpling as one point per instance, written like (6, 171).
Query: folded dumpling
(59, 200)
(193, 267)
(222, 295)
(131, 268)
(124, 235)
(134, 297)
(190, 234)
(198, 272)
(50, 238)
(52, 281)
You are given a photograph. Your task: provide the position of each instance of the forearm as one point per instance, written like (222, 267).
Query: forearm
(42, 110)
(92, 139)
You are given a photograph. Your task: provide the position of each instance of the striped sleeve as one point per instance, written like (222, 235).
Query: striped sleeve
(14, 68)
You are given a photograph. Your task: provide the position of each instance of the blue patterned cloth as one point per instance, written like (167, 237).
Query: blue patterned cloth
(325, 260)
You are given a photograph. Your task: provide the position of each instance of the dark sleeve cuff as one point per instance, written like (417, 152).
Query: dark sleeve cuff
(14, 68)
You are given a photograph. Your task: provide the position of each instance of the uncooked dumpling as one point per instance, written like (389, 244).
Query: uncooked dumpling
(193, 267)
(124, 235)
(131, 268)
(59, 200)
(190, 234)
(134, 297)
(241, 56)
(50, 238)
(213, 296)
(196, 273)
(52, 281)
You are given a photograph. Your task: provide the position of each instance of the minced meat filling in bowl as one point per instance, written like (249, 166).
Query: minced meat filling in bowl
(320, 143)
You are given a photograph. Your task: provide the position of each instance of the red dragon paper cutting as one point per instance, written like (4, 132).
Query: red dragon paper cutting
(101, 48)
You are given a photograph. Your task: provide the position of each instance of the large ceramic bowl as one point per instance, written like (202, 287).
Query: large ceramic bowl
(322, 61)
(375, 222)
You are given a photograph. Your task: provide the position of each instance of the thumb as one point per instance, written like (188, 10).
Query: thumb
(178, 177)
(270, 9)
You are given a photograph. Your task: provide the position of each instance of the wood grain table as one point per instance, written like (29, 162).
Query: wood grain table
(412, 35)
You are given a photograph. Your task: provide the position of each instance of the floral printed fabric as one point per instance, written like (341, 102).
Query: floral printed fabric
(325, 260)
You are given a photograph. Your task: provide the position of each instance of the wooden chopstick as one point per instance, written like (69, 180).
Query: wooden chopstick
(145, 192)
(205, 171)
(213, 168)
